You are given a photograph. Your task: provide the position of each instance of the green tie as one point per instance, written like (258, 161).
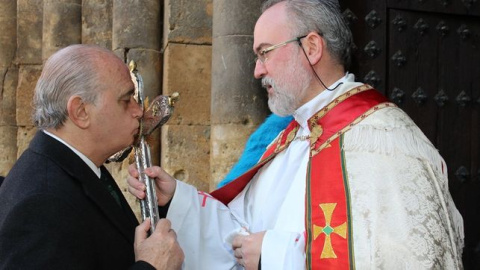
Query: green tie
(107, 181)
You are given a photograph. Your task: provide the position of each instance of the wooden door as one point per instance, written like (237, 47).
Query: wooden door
(425, 56)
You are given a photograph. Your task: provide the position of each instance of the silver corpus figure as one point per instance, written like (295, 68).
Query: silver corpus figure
(157, 114)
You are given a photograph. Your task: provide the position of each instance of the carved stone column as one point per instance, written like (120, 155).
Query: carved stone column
(62, 25)
(238, 102)
(187, 61)
(8, 82)
(97, 22)
(136, 35)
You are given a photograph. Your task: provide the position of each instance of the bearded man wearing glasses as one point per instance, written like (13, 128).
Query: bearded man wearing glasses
(351, 182)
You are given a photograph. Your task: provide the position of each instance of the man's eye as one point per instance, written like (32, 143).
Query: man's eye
(130, 99)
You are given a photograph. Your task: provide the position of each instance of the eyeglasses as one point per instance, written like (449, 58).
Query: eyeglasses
(262, 55)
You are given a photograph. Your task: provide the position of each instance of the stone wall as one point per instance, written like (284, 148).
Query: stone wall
(171, 41)
(8, 85)
(238, 102)
(187, 43)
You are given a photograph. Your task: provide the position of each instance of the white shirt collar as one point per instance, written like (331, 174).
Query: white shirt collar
(307, 110)
(90, 163)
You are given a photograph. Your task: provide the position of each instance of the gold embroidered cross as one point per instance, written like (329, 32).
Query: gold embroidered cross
(328, 252)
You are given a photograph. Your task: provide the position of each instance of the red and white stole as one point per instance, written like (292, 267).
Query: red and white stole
(329, 244)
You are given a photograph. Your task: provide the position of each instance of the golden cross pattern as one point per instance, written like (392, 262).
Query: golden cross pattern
(341, 230)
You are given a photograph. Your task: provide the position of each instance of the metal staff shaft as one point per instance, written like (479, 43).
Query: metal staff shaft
(149, 205)
(154, 116)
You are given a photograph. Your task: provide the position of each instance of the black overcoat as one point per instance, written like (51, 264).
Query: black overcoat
(56, 214)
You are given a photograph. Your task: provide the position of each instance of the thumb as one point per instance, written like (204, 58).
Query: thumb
(141, 232)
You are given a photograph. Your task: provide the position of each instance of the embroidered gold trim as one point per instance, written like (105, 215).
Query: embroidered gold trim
(317, 130)
(345, 129)
(339, 99)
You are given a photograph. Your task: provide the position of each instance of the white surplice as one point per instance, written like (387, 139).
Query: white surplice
(403, 216)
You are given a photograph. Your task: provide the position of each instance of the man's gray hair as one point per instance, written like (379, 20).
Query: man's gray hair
(323, 17)
(73, 70)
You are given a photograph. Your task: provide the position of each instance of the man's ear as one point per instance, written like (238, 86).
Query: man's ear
(314, 46)
(77, 112)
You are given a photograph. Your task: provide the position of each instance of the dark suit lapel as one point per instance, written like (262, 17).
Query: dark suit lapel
(124, 220)
(124, 204)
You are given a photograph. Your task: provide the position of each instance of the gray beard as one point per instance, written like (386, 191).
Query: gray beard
(287, 95)
(282, 103)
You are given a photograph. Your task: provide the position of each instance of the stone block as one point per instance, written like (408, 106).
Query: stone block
(121, 53)
(149, 65)
(8, 32)
(27, 79)
(8, 86)
(136, 24)
(8, 144)
(233, 11)
(97, 22)
(227, 144)
(24, 137)
(188, 72)
(188, 22)
(236, 95)
(30, 24)
(185, 154)
(62, 25)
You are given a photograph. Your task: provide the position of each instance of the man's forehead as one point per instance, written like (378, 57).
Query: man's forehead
(271, 25)
(117, 77)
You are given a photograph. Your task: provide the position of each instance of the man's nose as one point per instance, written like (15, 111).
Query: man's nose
(137, 109)
(260, 70)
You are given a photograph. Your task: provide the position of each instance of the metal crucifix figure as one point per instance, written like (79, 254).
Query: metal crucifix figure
(154, 115)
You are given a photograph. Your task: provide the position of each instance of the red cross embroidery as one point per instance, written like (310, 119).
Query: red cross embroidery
(205, 196)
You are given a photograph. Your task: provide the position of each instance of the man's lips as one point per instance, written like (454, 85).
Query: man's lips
(269, 89)
(137, 128)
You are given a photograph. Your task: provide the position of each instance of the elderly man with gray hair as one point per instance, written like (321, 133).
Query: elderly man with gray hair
(59, 206)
